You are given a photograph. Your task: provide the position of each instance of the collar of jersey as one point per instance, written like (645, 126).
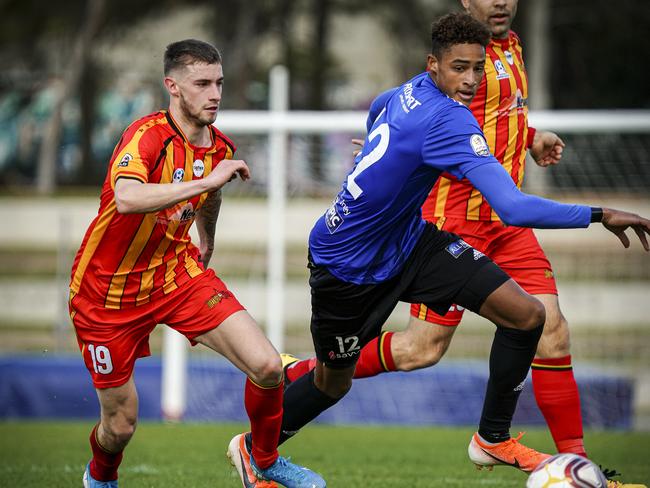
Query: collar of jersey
(179, 131)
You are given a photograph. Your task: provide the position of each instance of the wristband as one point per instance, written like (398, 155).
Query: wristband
(596, 214)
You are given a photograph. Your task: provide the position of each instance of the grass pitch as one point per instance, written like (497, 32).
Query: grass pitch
(53, 454)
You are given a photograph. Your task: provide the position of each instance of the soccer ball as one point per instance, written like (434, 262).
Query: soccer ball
(566, 471)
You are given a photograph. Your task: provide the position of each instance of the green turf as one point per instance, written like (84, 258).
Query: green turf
(53, 454)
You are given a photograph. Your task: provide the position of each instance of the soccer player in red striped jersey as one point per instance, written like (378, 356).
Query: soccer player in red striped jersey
(137, 267)
(501, 108)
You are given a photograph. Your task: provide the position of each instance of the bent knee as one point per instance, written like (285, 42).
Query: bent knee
(531, 315)
(555, 324)
(268, 372)
(121, 429)
(418, 358)
(535, 315)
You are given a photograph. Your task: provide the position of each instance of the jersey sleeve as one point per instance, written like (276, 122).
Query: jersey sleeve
(455, 143)
(377, 106)
(134, 156)
(521, 209)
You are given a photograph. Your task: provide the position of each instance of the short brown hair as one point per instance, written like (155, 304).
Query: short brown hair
(182, 53)
(457, 28)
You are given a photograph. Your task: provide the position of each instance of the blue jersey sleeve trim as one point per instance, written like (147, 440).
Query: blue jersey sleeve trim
(521, 209)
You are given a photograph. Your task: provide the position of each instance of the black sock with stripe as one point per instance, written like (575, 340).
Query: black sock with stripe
(510, 358)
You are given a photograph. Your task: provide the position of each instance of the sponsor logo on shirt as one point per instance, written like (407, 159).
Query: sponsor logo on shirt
(198, 168)
(457, 248)
(177, 213)
(125, 160)
(501, 70)
(406, 98)
(515, 102)
(178, 175)
(342, 355)
(479, 146)
(333, 219)
(509, 57)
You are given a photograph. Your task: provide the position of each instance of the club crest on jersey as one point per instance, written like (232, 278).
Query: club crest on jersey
(198, 168)
(509, 57)
(479, 146)
(457, 248)
(125, 160)
(501, 70)
(216, 299)
(178, 175)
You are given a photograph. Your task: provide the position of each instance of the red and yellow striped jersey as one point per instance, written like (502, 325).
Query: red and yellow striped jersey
(130, 259)
(501, 108)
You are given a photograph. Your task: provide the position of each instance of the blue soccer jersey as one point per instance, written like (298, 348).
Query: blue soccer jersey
(375, 220)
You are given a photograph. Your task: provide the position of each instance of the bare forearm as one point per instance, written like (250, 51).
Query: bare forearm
(135, 197)
(206, 219)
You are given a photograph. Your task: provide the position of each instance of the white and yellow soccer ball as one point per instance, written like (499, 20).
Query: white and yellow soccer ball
(566, 471)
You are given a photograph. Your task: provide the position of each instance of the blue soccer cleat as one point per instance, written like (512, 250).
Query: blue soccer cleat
(289, 475)
(90, 482)
(282, 471)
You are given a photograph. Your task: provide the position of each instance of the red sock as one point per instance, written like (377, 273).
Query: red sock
(104, 464)
(300, 368)
(557, 396)
(264, 409)
(376, 357)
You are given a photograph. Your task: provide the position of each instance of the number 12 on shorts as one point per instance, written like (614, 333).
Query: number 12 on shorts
(348, 344)
(101, 356)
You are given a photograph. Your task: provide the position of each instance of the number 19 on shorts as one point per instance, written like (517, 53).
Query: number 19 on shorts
(101, 356)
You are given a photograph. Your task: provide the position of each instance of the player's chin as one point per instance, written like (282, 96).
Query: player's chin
(464, 97)
(209, 116)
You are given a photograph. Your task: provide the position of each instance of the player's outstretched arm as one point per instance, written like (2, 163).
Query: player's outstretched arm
(617, 221)
(523, 210)
(132, 196)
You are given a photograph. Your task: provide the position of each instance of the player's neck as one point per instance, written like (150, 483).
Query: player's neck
(197, 135)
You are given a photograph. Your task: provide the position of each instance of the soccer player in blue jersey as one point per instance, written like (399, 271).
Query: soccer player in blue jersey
(372, 248)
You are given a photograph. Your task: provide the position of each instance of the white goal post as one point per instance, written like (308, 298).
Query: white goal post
(278, 123)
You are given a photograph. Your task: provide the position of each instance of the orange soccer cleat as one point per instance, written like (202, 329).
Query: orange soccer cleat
(240, 458)
(507, 453)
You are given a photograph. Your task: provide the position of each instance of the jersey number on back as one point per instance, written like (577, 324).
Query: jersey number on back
(369, 159)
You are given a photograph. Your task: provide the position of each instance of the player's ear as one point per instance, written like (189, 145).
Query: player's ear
(171, 85)
(432, 64)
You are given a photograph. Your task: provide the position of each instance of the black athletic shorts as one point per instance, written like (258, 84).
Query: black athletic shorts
(441, 270)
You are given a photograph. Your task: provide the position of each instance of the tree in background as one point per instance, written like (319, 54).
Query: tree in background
(47, 45)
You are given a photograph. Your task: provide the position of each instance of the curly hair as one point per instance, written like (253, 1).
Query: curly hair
(181, 53)
(457, 28)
